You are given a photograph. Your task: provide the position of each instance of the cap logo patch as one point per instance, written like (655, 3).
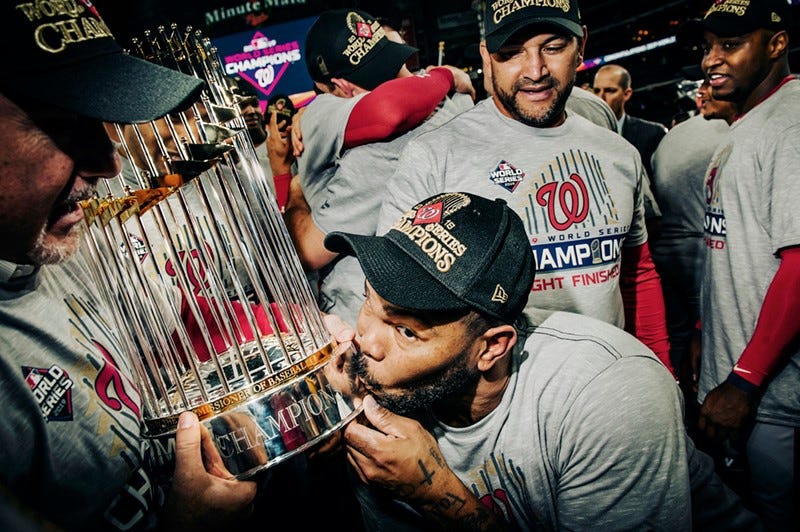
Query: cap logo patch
(363, 30)
(774, 17)
(500, 295)
(55, 36)
(365, 35)
(429, 214)
(503, 8)
(507, 176)
(735, 7)
(429, 228)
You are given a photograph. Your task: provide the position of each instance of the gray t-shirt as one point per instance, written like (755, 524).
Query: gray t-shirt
(592, 107)
(588, 435)
(577, 188)
(352, 195)
(71, 446)
(323, 124)
(753, 190)
(679, 168)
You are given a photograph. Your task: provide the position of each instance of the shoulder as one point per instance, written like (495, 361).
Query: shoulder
(571, 359)
(458, 124)
(568, 335)
(647, 124)
(592, 107)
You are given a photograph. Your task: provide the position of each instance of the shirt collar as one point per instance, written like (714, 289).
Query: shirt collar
(10, 271)
(620, 123)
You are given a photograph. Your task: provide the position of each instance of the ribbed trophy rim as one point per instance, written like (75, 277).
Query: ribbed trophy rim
(167, 425)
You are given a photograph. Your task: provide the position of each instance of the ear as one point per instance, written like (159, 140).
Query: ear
(627, 93)
(344, 88)
(778, 44)
(486, 61)
(497, 344)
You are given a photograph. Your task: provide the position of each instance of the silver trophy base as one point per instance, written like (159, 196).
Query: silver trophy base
(261, 426)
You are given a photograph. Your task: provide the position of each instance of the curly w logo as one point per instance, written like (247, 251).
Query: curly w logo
(567, 202)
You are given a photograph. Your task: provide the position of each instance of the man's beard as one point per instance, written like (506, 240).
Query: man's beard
(50, 250)
(550, 117)
(420, 393)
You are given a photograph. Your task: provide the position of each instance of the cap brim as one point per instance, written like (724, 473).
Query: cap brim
(114, 87)
(382, 66)
(395, 275)
(692, 30)
(498, 38)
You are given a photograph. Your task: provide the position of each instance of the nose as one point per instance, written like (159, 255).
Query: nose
(711, 57)
(534, 67)
(93, 152)
(367, 338)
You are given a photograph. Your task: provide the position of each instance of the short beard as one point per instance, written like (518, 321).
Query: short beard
(51, 250)
(548, 119)
(420, 393)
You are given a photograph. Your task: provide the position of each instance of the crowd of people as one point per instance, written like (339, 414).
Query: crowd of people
(563, 317)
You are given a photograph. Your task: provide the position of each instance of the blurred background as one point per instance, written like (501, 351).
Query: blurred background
(642, 36)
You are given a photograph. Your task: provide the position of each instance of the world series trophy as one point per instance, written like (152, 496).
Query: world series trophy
(206, 290)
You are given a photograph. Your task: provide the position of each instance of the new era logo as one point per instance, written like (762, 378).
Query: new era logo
(500, 295)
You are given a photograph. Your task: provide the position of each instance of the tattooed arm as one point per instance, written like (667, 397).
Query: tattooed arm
(398, 455)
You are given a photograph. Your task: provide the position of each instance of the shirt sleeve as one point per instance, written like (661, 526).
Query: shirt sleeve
(778, 323)
(396, 106)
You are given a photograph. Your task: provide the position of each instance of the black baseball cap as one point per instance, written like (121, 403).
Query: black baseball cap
(731, 18)
(351, 44)
(63, 53)
(451, 251)
(282, 105)
(504, 18)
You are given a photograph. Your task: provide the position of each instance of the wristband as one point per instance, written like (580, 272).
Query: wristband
(739, 382)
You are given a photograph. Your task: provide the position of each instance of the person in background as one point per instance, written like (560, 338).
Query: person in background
(750, 312)
(679, 167)
(613, 84)
(257, 128)
(579, 187)
(283, 164)
(342, 171)
(480, 414)
(73, 455)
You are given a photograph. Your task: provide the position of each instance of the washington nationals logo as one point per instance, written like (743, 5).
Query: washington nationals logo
(567, 202)
(429, 214)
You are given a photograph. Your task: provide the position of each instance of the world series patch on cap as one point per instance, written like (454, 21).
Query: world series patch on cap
(351, 44)
(503, 18)
(451, 251)
(63, 53)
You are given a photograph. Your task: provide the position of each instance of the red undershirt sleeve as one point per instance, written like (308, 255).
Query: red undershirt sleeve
(777, 326)
(645, 317)
(396, 106)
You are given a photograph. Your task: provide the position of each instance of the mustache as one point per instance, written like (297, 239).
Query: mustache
(529, 84)
(357, 371)
(81, 194)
